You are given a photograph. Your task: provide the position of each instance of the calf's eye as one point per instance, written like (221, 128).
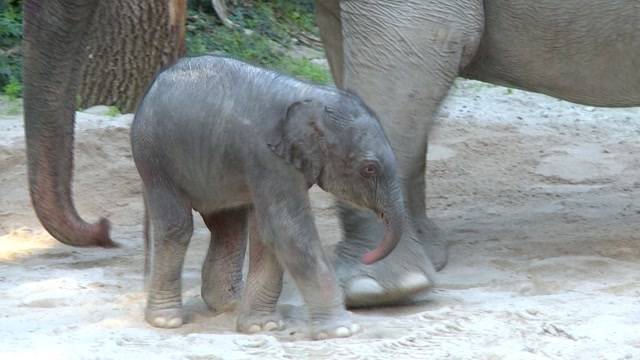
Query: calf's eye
(369, 170)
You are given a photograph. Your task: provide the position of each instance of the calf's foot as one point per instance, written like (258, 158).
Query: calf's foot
(333, 327)
(165, 318)
(252, 323)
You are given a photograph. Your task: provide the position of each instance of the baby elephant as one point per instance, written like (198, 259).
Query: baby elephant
(242, 145)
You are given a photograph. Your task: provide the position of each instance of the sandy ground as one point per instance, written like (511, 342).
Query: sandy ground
(538, 198)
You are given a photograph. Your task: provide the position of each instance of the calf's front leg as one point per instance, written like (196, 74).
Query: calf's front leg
(283, 215)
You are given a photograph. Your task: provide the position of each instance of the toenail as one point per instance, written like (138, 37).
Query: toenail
(175, 322)
(415, 281)
(342, 332)
(254, 328)
(160, 321)
(365, 286)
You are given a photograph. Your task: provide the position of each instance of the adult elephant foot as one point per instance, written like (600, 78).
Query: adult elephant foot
(397, 279)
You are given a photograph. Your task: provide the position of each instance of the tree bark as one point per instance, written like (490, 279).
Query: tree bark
(129, 41)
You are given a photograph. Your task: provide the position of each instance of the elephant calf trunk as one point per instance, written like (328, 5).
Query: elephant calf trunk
(392, 233)
(393, 215)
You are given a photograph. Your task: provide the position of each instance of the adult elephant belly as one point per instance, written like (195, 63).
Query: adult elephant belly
(584, 51)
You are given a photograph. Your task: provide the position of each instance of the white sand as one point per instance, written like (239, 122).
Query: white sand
(538, 197)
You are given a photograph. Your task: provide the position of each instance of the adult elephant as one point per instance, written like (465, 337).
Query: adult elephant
(401, 57)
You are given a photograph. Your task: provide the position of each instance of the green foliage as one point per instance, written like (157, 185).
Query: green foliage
(265, 31)
(305, 70)
(276, 19)
(10, 48)
(297, 15)
(205, 35)
(10, 26)
(113, 111)
(13, 89)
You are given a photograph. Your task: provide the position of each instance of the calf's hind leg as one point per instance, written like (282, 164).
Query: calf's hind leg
(171, 229)
(222, 268)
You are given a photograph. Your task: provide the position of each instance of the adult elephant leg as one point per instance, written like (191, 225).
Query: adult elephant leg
(54, 36)
(330, 25)
(222, 268)
(401, 57)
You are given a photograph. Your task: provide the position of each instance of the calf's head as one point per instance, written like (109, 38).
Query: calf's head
(338, 143)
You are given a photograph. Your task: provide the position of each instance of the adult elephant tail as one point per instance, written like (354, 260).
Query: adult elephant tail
(53, 50)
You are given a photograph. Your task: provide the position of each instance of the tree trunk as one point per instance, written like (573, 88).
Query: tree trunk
(129, 41)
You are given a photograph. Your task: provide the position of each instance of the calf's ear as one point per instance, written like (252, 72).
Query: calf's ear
(299, 137)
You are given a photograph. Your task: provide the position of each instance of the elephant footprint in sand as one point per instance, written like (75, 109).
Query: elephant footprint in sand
(241, 146)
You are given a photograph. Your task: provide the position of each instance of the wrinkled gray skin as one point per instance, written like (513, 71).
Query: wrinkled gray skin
(241, 144)
(402, 56)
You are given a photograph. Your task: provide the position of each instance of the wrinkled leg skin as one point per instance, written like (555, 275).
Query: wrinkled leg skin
(311, 272)
(222, 268)
(171, 229)
(264, 284)
(401, 57)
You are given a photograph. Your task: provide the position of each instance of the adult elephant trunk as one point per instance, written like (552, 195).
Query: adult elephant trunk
(54, 34)
(393, 215)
